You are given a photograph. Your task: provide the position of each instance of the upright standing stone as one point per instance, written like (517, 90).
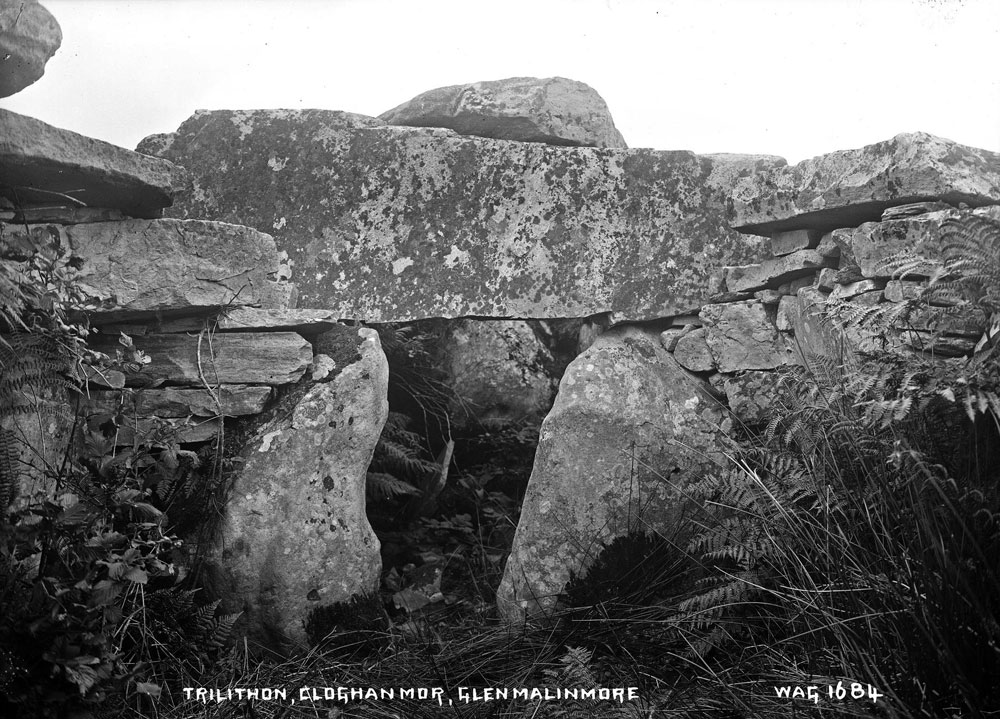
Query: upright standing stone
(629, 427)
(295, 536)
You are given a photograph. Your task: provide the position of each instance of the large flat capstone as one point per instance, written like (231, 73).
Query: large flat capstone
(42, 164)
(849, 187)
(393, 224)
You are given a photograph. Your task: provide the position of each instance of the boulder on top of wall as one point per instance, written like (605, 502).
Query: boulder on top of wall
(29, 36)
(849, 187)
(553, 110)
(295, 537)
(877, 244)
(395, 224)
(138, 269)
(741, 336)
(42, 164)
(628, 429)
(498, 371)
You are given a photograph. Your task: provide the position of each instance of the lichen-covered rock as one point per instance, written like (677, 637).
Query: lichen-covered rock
(691, 351)
(396, 224)
(29, 36)
(137, 269)
(42, 164)
(628, 428)
(849, 187)
(741, 336)
(553, 110)
(295, 536)
(876, 244)
(498, 371)
(754, 397)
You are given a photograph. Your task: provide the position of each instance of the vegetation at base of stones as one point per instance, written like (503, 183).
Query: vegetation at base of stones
(92, 612)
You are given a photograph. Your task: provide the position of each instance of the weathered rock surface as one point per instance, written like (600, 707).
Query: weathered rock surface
(741, 337)
(66, 215)
(42, 164)
(234, 400)
(295, 536)
(849, 187)
(243, 319)
(498, 370)
(553, 110)
(753, 396)
(843, 292)
(691, 351)
(137, 268)
(185, 430)
(816, 338)
(789, 241)
(775, 271)
(876, 244)
(272, 358)
(610, 458)
(29, 36)
(396, 224)
(913, 209)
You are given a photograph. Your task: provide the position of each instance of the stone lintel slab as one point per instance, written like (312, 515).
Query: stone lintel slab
(390, 224)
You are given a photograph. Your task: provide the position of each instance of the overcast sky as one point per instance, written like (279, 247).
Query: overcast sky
(795, 78)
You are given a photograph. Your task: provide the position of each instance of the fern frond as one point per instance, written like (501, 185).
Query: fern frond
(381, 486)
